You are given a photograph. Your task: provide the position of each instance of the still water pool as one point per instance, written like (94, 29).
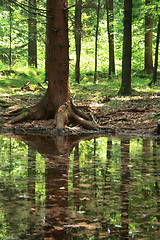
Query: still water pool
(68, 188)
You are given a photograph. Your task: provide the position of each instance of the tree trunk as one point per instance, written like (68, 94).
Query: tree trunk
(156, 54)
(127, 49)
(46, 54)
(58, 56)
(10, 36)
(148, 41)
(57, 103)
(96, 40)
(78, 33)
(32, 37)
(110, 29)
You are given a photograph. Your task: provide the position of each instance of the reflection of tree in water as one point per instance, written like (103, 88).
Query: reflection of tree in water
(157, 188)
(107, 186)
(103, 198)
(10, 202)
(125, 176)
(31, 172)
(76, 178)
(57, 192)
(31, 192)
(56, 151)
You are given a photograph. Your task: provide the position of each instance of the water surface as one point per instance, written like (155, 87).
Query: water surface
(68, 188)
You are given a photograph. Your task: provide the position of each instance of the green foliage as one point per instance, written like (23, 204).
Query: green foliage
(87, 89)
(14, 27)
(15, 157)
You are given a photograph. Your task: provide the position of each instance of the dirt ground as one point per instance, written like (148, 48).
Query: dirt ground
(130, 115)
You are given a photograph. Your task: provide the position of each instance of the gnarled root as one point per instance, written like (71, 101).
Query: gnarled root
(61, 117)
(65, 114)
(88, 124)
(35, 112)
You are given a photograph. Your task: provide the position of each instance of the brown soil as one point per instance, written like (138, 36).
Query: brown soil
(132, 115)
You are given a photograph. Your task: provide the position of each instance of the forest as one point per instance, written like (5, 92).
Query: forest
(79, 119)
(110, 50)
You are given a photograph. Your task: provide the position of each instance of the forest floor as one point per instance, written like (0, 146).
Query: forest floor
(134, 115)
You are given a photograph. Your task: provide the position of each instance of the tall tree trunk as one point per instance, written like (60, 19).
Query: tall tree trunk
(96, 40)
(78, 33)
(10, 36)
(148, 41)
(156, 54)
(127, 49)
(32, 36)
(46, 54)
(58, 55)
(110, 29)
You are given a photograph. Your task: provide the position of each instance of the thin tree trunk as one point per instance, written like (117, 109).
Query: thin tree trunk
(96, 40)
(32, 37)
(148, 41)
(156, 54)
(10, 37)
(110, 29)
(78, 33)
(127, 49)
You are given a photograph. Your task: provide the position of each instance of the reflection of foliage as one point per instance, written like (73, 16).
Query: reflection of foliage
(97, 189)
(15, 202)
(100, 188)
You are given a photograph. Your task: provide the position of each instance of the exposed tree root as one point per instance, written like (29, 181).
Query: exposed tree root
(65, 115)
(62, 117)
(79, 112)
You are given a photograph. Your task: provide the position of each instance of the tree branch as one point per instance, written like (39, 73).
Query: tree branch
(20, 5)
(23, 4)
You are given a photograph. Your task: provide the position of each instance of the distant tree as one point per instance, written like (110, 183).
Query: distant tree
(148, 40)
(110, 29)
(32, 35)
(156, 54)
(96, 40)
(10, 36)
(78, 33)
(127, 49)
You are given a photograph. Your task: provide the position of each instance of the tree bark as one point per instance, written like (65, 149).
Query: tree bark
(110, 29)
(148, 41)
(127, 49)
(32, 37)
(96, 41)
(58, 56)
(156, 54)
(78, 33)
